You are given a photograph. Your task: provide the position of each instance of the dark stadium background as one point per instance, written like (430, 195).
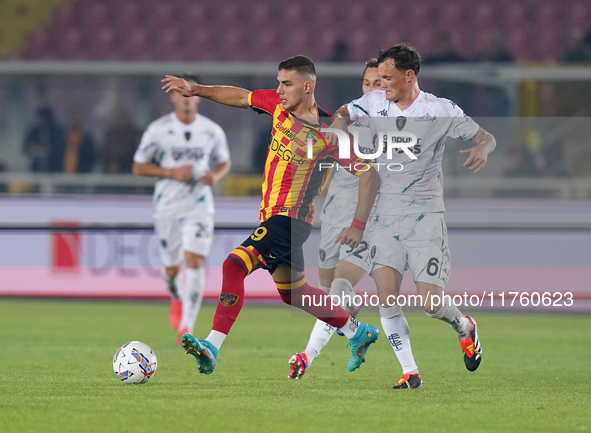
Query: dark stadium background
(78, 256)
(520, 68)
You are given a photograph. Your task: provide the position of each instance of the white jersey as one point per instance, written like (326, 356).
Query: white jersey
(169, 143)
(411, 185)
(342, 195)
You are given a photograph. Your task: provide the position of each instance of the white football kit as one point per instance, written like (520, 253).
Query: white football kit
(183, 211)
(408, 230)
(338, 213)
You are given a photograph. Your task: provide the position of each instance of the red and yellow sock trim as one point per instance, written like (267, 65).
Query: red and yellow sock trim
(244, 258)
(257, 254)
(291, 288)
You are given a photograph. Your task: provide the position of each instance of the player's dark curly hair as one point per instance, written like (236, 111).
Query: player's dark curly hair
(301, 64)
(404, 55)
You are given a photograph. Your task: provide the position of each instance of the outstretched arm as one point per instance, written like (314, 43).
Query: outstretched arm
(341, 121)
(485, 144)
(227, 95)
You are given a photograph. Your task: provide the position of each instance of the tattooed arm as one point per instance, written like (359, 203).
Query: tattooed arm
(485, 144)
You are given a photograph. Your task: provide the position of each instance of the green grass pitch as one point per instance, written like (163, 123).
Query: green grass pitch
(56, 375)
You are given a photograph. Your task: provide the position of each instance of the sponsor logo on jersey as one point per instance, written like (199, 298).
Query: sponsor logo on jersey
(285, 153)
(187, 153)
(426, 118)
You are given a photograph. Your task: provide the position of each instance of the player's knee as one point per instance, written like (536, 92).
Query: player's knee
(341, 287)
(195, 261)
(242, 257)
(228, 264)
(171, 271)
(390, 312)
(431, 310)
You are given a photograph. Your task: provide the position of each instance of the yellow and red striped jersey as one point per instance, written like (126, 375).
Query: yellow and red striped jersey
(291, 180)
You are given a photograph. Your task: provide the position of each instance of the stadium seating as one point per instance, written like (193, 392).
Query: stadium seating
(95, 16)
(264, 30)
(103, 44)
(65, 15)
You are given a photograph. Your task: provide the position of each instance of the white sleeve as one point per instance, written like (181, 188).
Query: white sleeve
(359, 109)
(220, 152)
(461, 125)
(147, 149)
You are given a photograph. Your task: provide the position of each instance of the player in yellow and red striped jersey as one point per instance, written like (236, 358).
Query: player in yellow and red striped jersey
(292, 180)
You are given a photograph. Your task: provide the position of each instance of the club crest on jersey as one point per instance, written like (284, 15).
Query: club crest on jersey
(228, 300)
(400, 122)
(188, 135)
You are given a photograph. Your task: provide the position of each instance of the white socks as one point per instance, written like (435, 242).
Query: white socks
(342, 288)
(454, 318)
(319, 337)
(216, 338)
(322, 332)
(192, 297)
(173, 284)
(396, 329)
(350, 328)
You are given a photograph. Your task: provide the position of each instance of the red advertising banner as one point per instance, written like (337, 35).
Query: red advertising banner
(66, 247)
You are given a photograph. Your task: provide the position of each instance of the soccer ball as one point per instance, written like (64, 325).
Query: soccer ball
(134, 362)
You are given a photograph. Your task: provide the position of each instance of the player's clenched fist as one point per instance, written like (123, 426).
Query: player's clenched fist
(177, 84)
(182, 174)
(210, 178)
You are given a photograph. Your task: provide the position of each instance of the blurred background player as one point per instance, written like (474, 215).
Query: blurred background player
(178, 148)
(292, 180)
(409, 230)
(353, 263)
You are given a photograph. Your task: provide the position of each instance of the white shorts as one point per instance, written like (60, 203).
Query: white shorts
(177, 235)
(417, 242)
(331, 253)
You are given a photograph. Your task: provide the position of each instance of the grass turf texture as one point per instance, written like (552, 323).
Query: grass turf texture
(56, 375)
